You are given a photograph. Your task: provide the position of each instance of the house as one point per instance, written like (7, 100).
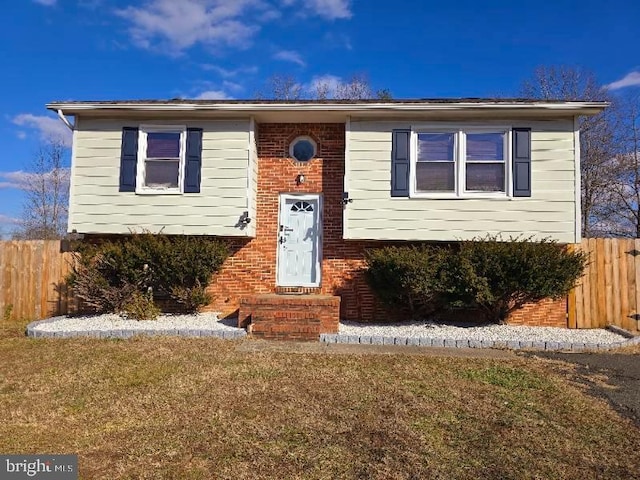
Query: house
(301, 188)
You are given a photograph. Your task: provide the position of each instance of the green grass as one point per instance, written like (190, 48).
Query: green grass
(198, 409)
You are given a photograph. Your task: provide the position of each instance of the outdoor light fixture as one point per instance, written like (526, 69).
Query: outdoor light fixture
(300, 179)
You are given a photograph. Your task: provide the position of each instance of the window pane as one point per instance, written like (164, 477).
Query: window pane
(163, 145)
(303, 150)
(435, 177)
(435, 146)
(161, 174)
(485, 146)
(487, 177)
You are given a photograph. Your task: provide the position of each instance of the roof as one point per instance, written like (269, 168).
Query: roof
(369, 107)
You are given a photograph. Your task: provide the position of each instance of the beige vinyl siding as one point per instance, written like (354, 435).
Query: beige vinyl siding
(98, 207)
(374, 214)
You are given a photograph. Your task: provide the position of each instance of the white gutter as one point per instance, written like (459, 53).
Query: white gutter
(590, 107)
(65, 120)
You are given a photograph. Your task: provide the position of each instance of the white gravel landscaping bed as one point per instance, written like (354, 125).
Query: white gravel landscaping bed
(202, 324)
(485, 332)
(425, 333)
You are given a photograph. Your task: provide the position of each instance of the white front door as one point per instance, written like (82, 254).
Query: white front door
(299, 241)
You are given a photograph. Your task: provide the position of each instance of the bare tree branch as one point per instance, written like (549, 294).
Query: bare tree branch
(286, 87)
(599, 140)
(46, 191)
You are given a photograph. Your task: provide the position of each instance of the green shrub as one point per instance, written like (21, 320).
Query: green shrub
(501, 276)
(407, 277)
(489, 274)
(108, 274)
(140, 306)
(191, 299)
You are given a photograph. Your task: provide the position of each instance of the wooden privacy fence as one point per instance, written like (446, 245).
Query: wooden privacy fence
(33, 272)
(32, 279)
(609, 291)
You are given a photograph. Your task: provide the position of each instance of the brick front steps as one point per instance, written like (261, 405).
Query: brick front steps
(289, 317)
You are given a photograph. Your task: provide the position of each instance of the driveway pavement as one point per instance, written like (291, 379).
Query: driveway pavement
(621, 374)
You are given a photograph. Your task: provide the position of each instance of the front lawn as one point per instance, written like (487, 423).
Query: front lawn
(197, 409)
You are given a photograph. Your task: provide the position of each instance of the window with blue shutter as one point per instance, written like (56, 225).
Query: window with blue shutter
(159, 159)
(521, 162)
(400, 163)
(461, 162)
(129, 159)
(193, 164)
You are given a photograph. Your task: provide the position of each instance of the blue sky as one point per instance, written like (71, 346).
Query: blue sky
(126, 49)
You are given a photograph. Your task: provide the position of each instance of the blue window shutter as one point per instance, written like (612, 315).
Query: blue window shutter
(193, 162)
(129, 159)
(521, 162)
(400, 163)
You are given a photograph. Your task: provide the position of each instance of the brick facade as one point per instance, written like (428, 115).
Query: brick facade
(547, 313)
(251, 269)
(286, 317)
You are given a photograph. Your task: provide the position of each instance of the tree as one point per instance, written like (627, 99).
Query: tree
(286, 87)
(598, 141)
(46, 190)
(622, 205)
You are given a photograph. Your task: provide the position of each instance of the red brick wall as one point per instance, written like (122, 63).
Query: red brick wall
(252, 265)
(547, 313)
(297, 317)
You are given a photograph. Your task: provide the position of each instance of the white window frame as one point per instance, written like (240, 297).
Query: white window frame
(143, 130)
(460, 146)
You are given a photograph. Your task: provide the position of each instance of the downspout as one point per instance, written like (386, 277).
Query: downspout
(65, 120)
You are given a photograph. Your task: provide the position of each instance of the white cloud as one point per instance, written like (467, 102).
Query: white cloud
(329, 9)
(232, 86)
(50, 128)
(178, 25)
(5, 219)
(631, 79)
(22, 180)
(324, 86)
(46, 3)
(229, 72)
(21, 135)
(338, 40)
(290, 56)
(213, 95)
(173, 26)
(17, 179)
(90, 4)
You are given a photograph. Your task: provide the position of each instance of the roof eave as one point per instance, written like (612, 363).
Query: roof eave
(573, 108)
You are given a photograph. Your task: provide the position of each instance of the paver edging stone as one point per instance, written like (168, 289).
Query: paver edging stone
(502, 344)
(127, 333)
